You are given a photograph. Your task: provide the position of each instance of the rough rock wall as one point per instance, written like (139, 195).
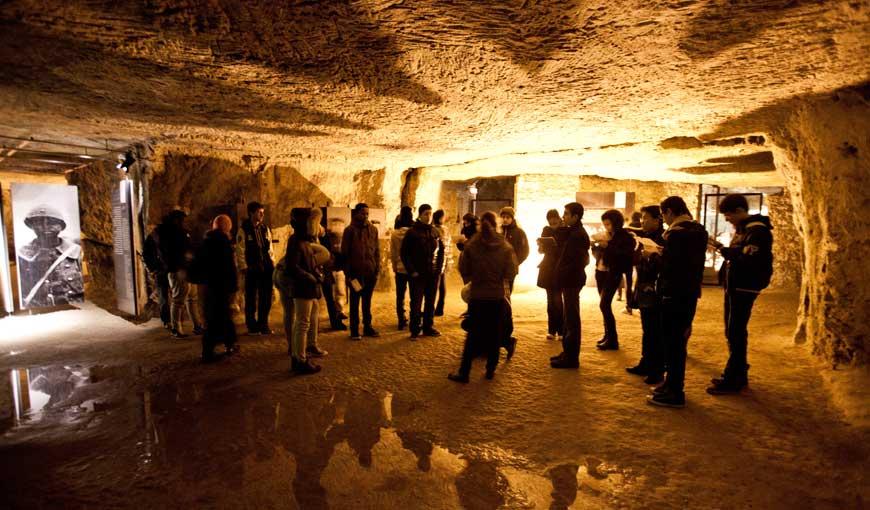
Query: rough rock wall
(96, 183)
(788, 249)
(646, 192)
(825, 147)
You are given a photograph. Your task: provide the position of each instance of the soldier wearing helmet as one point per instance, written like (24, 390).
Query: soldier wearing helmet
(50, 266)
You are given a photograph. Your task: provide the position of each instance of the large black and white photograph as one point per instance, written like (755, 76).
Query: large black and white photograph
(48, 249)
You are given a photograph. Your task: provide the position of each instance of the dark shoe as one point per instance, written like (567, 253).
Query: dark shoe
(458, 378)
(667, 400)
(661, 388)
(342, 316)
(490, 374)
(652, 379)
(303, 367)
(266, 331)
(402, 324)
(608, 346)
(370, 331)
(316, 352)
(432, 332)
(198, 330)
(439, 313)
(415, 335)
(726, 387)
(603, 340)
(354, 335)
(210, 357)
(637, 370)
(338, 326)
(565, 363)
(177, 334)
(511, 348)
(233, 349)
(557, 357)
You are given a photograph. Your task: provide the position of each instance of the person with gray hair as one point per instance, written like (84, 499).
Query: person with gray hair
(215, 269)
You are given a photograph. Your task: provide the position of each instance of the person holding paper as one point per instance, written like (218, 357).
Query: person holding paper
(648, 262)
(362, 256)
(420, 256)
(613, 249)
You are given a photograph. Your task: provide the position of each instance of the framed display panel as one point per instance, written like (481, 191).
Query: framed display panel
(5, 271)
(122, 253)
(47, 244)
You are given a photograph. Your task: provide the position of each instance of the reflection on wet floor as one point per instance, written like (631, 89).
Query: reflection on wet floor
(208, 443)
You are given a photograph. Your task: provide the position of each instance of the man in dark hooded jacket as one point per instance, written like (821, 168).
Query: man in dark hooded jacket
(679, 286)
(748, 268)
(420, 257)
(362, 263)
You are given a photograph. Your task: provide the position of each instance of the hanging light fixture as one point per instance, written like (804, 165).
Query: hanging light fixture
(127, 162)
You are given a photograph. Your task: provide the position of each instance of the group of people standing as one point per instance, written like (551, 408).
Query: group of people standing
(669, 265)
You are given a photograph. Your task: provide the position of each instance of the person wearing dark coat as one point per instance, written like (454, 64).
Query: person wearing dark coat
(648, 262)
(572, 245)
(419, 254)
(614, 249)
(216, 271)
(362, 263)
(304, 276)
(547, 246)
(748, 268)
(515, 236)
(176, 251)
(469, 228)
(487, 263)
(157, 269)
(679, 287)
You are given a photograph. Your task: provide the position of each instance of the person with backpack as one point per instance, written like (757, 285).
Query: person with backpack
(748, 268)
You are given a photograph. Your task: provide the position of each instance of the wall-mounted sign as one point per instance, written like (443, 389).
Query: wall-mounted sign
(122, 240)
(48, 244)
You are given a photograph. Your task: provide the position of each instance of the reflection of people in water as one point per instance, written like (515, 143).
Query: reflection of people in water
(480, 485)
(564, 478)
(421, 445)
(50, 266)
(362, 427)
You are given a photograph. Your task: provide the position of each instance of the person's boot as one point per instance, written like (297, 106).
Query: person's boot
(661, 388)
(403, 323)
(603, 340)
(303, 367)
(511, 348)
(490, 373)
(557, 357)
(315, 352)
(354, 334)
(668, 399)
(609, 345)
(654, 378)
(370, 331)
(458, 378)
(431, 332)
(638, 369)
(338, 326)
(565, 362)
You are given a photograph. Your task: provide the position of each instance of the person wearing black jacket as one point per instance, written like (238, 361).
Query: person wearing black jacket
(515, 236)
(216, 270)
(157, 269)
(254, 259)
(176, 251)
(569, 277)
(361, 259)
(305, 278)
(748, 268)
(420, 257)
(555, 321)
(679, 286)
(648, 261)
(614, 251)
(469, 228)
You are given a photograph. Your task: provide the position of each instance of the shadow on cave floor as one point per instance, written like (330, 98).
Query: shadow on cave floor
(120, 414)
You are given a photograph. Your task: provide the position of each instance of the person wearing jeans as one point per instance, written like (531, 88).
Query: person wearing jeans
(569, 277)
(362, 263)
(403, 223)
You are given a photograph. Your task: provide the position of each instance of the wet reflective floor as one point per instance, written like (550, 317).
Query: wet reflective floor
(382, 427)
(207, 442)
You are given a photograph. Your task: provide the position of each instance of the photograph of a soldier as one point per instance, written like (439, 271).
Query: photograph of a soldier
(47, 244)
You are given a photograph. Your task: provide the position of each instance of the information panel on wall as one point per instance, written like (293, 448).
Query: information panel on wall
(48, 248)
(122, 238)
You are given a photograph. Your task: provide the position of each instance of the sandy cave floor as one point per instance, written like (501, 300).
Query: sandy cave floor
(135, 420)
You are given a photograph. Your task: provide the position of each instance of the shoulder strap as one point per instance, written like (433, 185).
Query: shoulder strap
(56, 263)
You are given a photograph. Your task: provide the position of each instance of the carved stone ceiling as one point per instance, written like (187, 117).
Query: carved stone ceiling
(389, 83)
